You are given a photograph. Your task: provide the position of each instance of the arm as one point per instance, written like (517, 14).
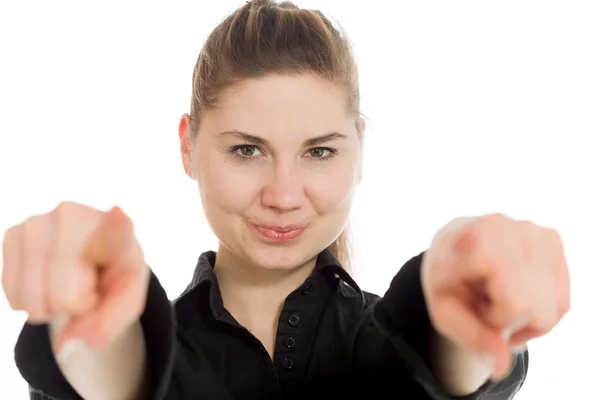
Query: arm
(147, 348)
(439, 366)
(459, 372)
(462, 374)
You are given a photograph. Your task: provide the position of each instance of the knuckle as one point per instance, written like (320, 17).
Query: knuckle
(10, 235)
(467, 239)
(555, 238)
(59, 212)
(64, 211)
(552, 232)
(492, 223)
(495, 218)
(530, 228)
(564, 308)
(545, 321)
(33, 234)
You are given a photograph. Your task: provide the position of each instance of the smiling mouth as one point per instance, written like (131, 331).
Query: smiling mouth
(279, 234)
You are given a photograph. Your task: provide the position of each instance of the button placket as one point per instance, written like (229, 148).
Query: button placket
(291, 336)
(289, 341)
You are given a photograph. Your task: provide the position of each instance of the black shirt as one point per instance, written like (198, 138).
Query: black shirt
(333, 341)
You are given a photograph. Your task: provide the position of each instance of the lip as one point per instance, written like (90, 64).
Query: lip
(278, 234)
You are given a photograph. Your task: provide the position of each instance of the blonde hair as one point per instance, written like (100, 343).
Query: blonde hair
(265, 37)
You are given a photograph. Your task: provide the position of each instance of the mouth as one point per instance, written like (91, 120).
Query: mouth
(279, 234)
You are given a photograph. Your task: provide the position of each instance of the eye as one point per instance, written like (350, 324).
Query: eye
(321, 153)
(317, 152)
(247, 150)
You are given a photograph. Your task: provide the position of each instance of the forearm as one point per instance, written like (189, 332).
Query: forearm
(459, 372)
(115, 372)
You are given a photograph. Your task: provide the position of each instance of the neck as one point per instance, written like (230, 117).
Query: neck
(255, 295)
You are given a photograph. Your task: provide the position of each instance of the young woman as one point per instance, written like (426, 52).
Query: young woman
(274, 141)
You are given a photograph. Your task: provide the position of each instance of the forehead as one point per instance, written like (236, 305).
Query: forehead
(297, 105)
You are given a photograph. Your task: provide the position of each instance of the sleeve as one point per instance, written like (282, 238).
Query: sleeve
(36, 363)
(402, 312)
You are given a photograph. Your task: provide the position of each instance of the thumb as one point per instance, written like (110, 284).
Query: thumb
(455, 320)
(112, 237)
(120, 306)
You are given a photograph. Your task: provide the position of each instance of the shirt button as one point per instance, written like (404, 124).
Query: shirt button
(294, 320)
(287, 364)
(308, 289)
(289, 342)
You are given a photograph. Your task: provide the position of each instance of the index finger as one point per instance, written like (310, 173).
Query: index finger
(114, 236)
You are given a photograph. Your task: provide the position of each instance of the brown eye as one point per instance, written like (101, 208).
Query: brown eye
(319, 152)
(247, 151)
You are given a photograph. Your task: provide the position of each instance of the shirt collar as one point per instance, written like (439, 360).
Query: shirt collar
(204, 276)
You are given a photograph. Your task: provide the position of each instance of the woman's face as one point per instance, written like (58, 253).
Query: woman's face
(276, 164)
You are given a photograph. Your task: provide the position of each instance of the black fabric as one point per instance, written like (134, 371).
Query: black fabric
(333, 341)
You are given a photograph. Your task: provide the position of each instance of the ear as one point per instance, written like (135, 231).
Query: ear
(363, 127)
(186, 146)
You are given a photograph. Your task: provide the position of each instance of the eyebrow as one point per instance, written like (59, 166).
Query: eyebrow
(257, 140)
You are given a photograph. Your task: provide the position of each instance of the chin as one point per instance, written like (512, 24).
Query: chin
(274, 257)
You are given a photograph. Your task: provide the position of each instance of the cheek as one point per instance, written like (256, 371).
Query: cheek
(224, 187)
(333, 192)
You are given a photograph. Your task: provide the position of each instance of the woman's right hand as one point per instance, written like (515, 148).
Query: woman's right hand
(77, 264)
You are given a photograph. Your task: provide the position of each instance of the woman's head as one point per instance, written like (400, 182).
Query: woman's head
(274, 136)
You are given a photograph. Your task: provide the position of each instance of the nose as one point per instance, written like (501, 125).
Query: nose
(283, 190)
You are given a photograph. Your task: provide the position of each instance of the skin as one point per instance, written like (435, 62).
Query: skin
(491, 283)
(73, 268)
(282, 181)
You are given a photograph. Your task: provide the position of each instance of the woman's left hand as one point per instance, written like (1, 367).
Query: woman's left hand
(492, 283)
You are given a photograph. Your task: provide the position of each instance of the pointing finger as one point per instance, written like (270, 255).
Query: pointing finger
(114, 236)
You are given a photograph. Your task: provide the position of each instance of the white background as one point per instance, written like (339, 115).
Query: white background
(473, 107)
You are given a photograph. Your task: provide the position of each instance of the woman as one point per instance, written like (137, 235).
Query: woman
(274, 140)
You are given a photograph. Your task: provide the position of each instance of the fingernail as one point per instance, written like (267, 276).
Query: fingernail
(68, 348)
(496, 377)
(519, 349)
(514, 327)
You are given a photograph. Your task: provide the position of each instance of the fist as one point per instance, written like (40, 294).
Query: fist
(79, 263)
(492, 283)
